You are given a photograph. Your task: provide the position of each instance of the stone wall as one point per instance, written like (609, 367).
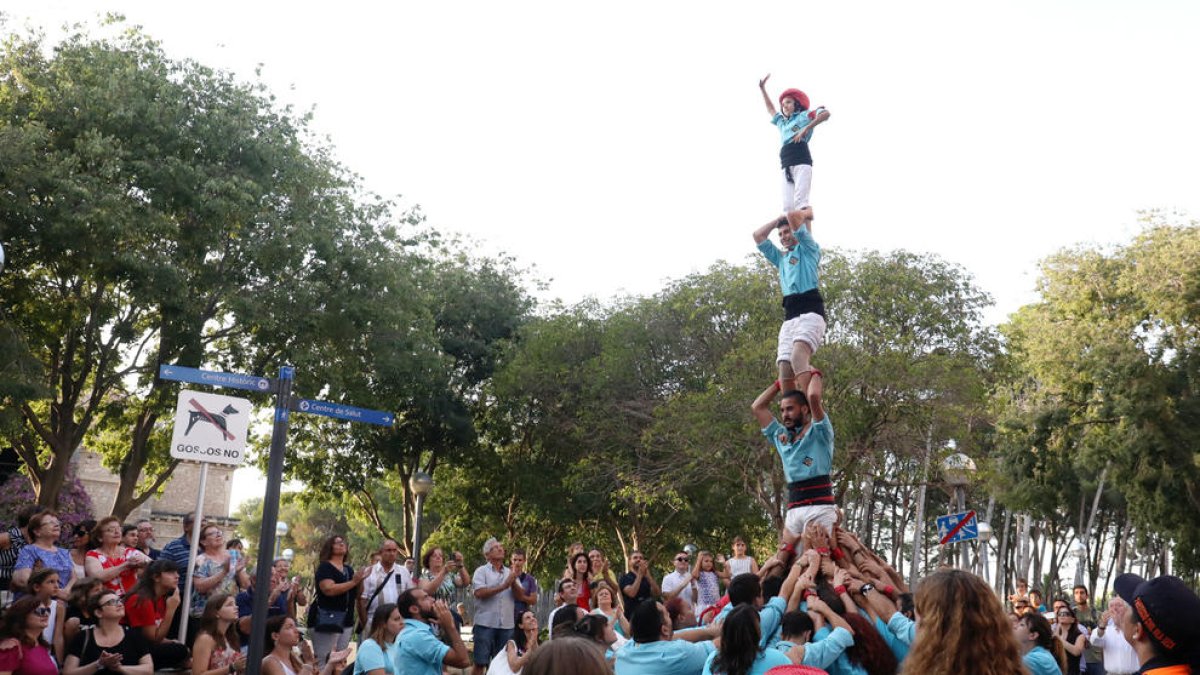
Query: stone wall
(177, 498)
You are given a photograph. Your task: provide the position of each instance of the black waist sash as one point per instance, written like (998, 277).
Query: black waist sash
(792, 154)
(808, 302)
(810, 492)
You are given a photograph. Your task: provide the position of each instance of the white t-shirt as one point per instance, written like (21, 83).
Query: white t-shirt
(676, 580)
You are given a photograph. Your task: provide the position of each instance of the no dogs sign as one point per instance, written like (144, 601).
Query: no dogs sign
(210, 428)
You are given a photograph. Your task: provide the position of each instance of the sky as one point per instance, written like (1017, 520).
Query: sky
(614, 147)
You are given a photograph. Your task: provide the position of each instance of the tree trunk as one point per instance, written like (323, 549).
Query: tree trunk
(919, 523)
(1002, 563)
(866, 528)
(1091, 522)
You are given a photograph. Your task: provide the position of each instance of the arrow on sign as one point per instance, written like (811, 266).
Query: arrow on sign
(209, 417)
(962, 523)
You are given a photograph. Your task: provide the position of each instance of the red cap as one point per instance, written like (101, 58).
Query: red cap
(801, 97)
(795, 670)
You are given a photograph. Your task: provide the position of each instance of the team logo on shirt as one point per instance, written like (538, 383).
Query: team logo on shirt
(793, 261)
(782, 437)
(808, 461)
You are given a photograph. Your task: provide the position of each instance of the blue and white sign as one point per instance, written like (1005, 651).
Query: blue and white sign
(214, 378)
(344, 412)
(957, 527)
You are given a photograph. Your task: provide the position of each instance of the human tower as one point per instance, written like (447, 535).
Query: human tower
(803, 435)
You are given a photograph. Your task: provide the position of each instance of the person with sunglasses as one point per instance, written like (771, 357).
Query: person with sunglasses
(681, 583)
(22, 648)
(81, 543)
(43, 585)
(1066, 630)
(109, 645)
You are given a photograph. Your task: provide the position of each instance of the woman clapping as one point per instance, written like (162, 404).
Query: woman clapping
(108, 645)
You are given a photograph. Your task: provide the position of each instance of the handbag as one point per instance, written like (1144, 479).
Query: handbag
(332, 620)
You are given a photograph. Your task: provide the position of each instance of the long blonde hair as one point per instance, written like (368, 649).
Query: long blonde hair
(962, 629)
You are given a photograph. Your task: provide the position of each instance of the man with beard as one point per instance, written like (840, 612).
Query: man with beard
(418, 652)
(805, 443)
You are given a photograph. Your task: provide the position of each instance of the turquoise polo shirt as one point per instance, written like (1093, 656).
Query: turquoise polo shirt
(1041, 662)
(808, 456)
(841, 663)
(788, 126)
(899, 647)
(664, 657)
(370, 656)
(903, 628)
(766, 660)
(770, 619)
(822, 653)
(419, 653)
(797, 267)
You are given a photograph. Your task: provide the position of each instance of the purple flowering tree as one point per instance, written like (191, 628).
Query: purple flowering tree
(74, 504)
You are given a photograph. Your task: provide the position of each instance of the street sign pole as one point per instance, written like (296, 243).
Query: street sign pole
(266, 537)
(197, 519)
(216, 451)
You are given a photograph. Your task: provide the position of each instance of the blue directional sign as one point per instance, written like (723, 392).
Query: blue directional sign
(957, 527)
(344, 412)
(214, 378)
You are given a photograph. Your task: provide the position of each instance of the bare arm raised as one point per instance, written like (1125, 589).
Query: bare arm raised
(762, 405)
(762, 86)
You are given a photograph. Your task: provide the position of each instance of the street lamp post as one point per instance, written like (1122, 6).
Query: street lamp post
(985, 536)
(421, 484)
(287, 554)
(957, 469)
(1079, 550)
(281, 528)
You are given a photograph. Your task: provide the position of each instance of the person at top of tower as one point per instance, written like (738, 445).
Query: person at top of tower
(795, 123)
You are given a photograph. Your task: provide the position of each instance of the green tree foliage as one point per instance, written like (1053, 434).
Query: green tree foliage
(628, 426)
(1105, 367)
(469, 310)
(157, 211)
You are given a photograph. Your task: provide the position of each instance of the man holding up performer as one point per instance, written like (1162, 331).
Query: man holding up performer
(803, 329)
(805, 444)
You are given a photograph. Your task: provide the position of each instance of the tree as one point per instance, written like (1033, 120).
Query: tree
(628, 425)
(160, 212)
(1104, 366)
(428, 365)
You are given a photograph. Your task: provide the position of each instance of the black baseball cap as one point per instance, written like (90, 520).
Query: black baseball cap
(1169, 610)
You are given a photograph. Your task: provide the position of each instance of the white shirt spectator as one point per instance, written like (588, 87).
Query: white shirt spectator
(676, 580)
(400, 581)
(496, 611)
(1119, 656)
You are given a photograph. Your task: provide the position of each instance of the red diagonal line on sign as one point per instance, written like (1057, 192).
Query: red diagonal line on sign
(209, 417)
(959, 526)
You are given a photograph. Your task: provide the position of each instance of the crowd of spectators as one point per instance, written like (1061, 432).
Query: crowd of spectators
(826, 604)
